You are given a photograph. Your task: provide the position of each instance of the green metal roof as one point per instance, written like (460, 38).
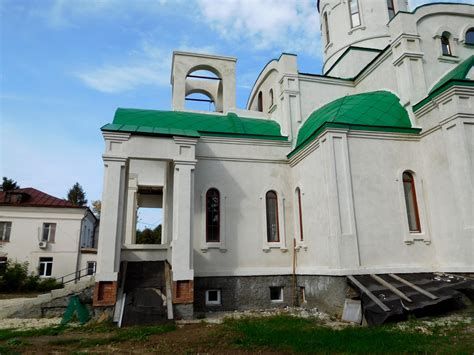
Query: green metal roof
(375, 111)
(457, 76)
(190, 124)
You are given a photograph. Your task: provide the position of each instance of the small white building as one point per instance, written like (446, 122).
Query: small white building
(54, 236)
(366, 168)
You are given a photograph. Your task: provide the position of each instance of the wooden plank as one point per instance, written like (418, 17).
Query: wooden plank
(391, 287)
(368, 293)
(169, 295)
(415, 287)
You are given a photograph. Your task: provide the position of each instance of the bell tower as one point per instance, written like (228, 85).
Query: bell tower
(187, 79)
(354, 32)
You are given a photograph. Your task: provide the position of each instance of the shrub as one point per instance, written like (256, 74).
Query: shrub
(48, 285)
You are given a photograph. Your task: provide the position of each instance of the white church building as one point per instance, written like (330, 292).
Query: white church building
(367, 168)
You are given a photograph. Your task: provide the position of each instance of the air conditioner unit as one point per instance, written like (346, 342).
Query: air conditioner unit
(43, 244)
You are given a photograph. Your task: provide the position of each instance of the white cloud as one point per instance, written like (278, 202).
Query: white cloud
(149, 65)
(286, 25)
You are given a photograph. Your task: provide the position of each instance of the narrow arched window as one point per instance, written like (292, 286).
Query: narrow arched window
(445, 45)
(411, 202)
(300, 213)
(354, 11)
(470, 36)
(326, 28)
(271, 98)
(391, 9)
(273, 232)
(212, 216)
(260, 102)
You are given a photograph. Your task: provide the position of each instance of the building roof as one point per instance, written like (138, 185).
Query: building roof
(191, 124)
(30, 197)
(375, 111)
(457, 76)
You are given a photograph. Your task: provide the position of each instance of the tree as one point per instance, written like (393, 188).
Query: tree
(96, 207)
(149, 236)
(9, 184)
(76, 195)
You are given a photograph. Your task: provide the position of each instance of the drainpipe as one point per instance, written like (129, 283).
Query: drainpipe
(78, 259)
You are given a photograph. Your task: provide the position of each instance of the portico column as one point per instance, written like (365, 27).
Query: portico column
(110, 232)
(183, 189)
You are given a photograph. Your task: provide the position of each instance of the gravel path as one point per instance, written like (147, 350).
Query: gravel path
(22, 324)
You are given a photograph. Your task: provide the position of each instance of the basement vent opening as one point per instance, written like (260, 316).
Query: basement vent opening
(276, 294)
(213, 297)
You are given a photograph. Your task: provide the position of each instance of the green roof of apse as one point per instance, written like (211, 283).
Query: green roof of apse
(377, 110)
(190, 124)
(457, 76)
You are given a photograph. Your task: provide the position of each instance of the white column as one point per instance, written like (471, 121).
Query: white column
(111, 221)
(183, 191)
(130, 227)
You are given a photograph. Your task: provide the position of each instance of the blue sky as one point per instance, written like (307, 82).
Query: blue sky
(66, 65)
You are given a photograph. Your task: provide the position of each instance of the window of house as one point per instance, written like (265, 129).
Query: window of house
(411, 203)
(300, 213)
(276, 294)
(445, 45)
(391, 9)
(470, 36)
(45, 267)
(91, 267)
(3, 264)
(273, 233)
(271, 98)
(354, 11)
(260, 102)
(326, 27)
(5, 230)
(212, 216)
(49, 232)
(213, 297)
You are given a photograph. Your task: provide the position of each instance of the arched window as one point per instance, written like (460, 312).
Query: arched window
(271, 97)
(212, 216)
(354, 11)
(260, 102)
(273, 233)
(470, 36)
(445, 46)
(300, 213)
(326, 27)
(410, 202)
(391, 9)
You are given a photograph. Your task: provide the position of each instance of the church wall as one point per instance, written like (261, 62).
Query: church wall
(385, 242)
(430, 29)
(382, 77)
(311, 177)
(243, 249)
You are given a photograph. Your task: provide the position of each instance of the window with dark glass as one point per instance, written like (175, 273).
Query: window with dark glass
(212, 216)
(271, 97)
(45, 267)
(326, 28)
(49, 232)
(445, 45)
(470, 36)
(260, 102)
(273, 233)
(5, 230)
(300, 212)
(391, 9)
(355, 14)
(411, 202)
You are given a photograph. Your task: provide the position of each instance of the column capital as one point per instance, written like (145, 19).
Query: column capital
(177, 163)
(111, 158)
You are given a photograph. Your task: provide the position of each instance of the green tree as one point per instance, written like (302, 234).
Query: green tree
(96, 207)
(9, 184)
(149, 236)
(76, 195)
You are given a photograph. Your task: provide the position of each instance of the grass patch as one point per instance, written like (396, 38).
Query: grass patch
(304, 335)
(116, 336)
(7, 334)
